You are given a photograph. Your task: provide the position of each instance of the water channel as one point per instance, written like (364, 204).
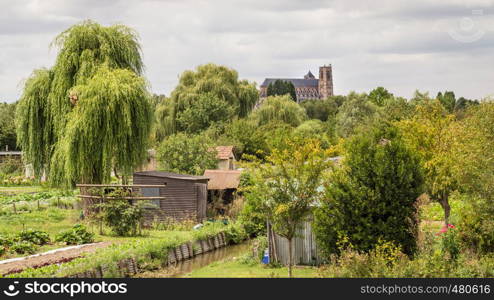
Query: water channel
(186, 266)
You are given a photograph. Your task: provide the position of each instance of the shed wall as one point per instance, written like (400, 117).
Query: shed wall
(181, 201)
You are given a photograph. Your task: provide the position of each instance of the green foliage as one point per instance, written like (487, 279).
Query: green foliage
(91, 112)
(120, 214)
(448, 100)
(217, 90)
(7, 126)
(373, 196)
(449, 242)
(6, 241)
(380, 96)
(246, 136)
(36, 237)
(205, 111)
(77, 235)
(149, 253)
(10, 166)
(280, 88)
(187, 154)
(281, 109)
(355, 112)
(323, 110)
(23, 247)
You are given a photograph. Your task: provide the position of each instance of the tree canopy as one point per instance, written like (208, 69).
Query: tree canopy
(280, 108)
(91, 112)
(211, 92)
(7, 126)
(280, 88)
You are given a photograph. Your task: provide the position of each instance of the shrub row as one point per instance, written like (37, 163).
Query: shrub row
(28, 240)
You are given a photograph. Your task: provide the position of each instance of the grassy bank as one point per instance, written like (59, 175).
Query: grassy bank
(245, 267)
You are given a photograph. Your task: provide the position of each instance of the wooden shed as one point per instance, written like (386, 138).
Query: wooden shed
(185, 196)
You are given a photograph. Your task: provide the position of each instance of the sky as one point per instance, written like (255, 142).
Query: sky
(401, 45)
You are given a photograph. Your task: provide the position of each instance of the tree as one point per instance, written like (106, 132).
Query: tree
(187, 154)
(448, 100)
(429, 133)
(280, 88)
(7, 126)
(206, 110)
(246, 136)
(289, 182)
(89, 114)
(217, 82)
(372, 196)
(279, 108)
(354, 112)
(379, 96)
(321, 109)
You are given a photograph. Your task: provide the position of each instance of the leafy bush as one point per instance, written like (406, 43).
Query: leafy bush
(23, 247)
(3, 250)
(6, 241)
(372, 196)
(121, 215)
(36, 237)
(449, 242)
(75, 236)
(476, 226)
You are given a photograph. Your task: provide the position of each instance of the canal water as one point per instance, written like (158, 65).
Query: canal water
(186, 266)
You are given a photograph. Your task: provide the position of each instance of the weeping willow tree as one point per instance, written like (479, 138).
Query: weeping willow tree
(90, 113)
(215, 81)
(280, 108)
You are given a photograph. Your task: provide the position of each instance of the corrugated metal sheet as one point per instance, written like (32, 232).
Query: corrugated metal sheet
(304, 247)
(222, 179)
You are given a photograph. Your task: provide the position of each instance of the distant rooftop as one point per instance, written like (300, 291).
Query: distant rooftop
(297, 82)
(170, 175)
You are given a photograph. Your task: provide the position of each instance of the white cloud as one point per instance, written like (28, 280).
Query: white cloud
(402, 45)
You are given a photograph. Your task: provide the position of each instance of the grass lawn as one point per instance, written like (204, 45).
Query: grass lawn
(237, 268)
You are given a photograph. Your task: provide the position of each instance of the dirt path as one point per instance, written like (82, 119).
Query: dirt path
(56, 256)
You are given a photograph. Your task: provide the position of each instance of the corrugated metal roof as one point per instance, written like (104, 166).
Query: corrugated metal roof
(297, 82)
(223, 179)
(171, 175)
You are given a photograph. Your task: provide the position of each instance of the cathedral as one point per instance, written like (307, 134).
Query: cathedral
(308, 87)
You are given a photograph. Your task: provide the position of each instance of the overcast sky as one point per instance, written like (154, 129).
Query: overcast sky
(401, 45)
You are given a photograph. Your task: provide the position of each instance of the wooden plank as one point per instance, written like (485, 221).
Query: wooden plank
(126, 198)
(123, 185)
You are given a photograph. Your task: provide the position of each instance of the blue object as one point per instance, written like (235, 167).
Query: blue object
(265, 258)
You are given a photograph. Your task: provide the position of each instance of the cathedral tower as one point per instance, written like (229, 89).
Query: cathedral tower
(325, 82)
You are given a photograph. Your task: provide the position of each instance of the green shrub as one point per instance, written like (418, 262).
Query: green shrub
(23, 247)
(121, 215)
(372, 196)
(476, 226)
(36, 237)
(6, 241)
(77, 235)
(3, 250)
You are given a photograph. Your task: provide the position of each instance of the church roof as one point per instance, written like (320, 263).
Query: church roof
(297, 82)
(309, 75)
